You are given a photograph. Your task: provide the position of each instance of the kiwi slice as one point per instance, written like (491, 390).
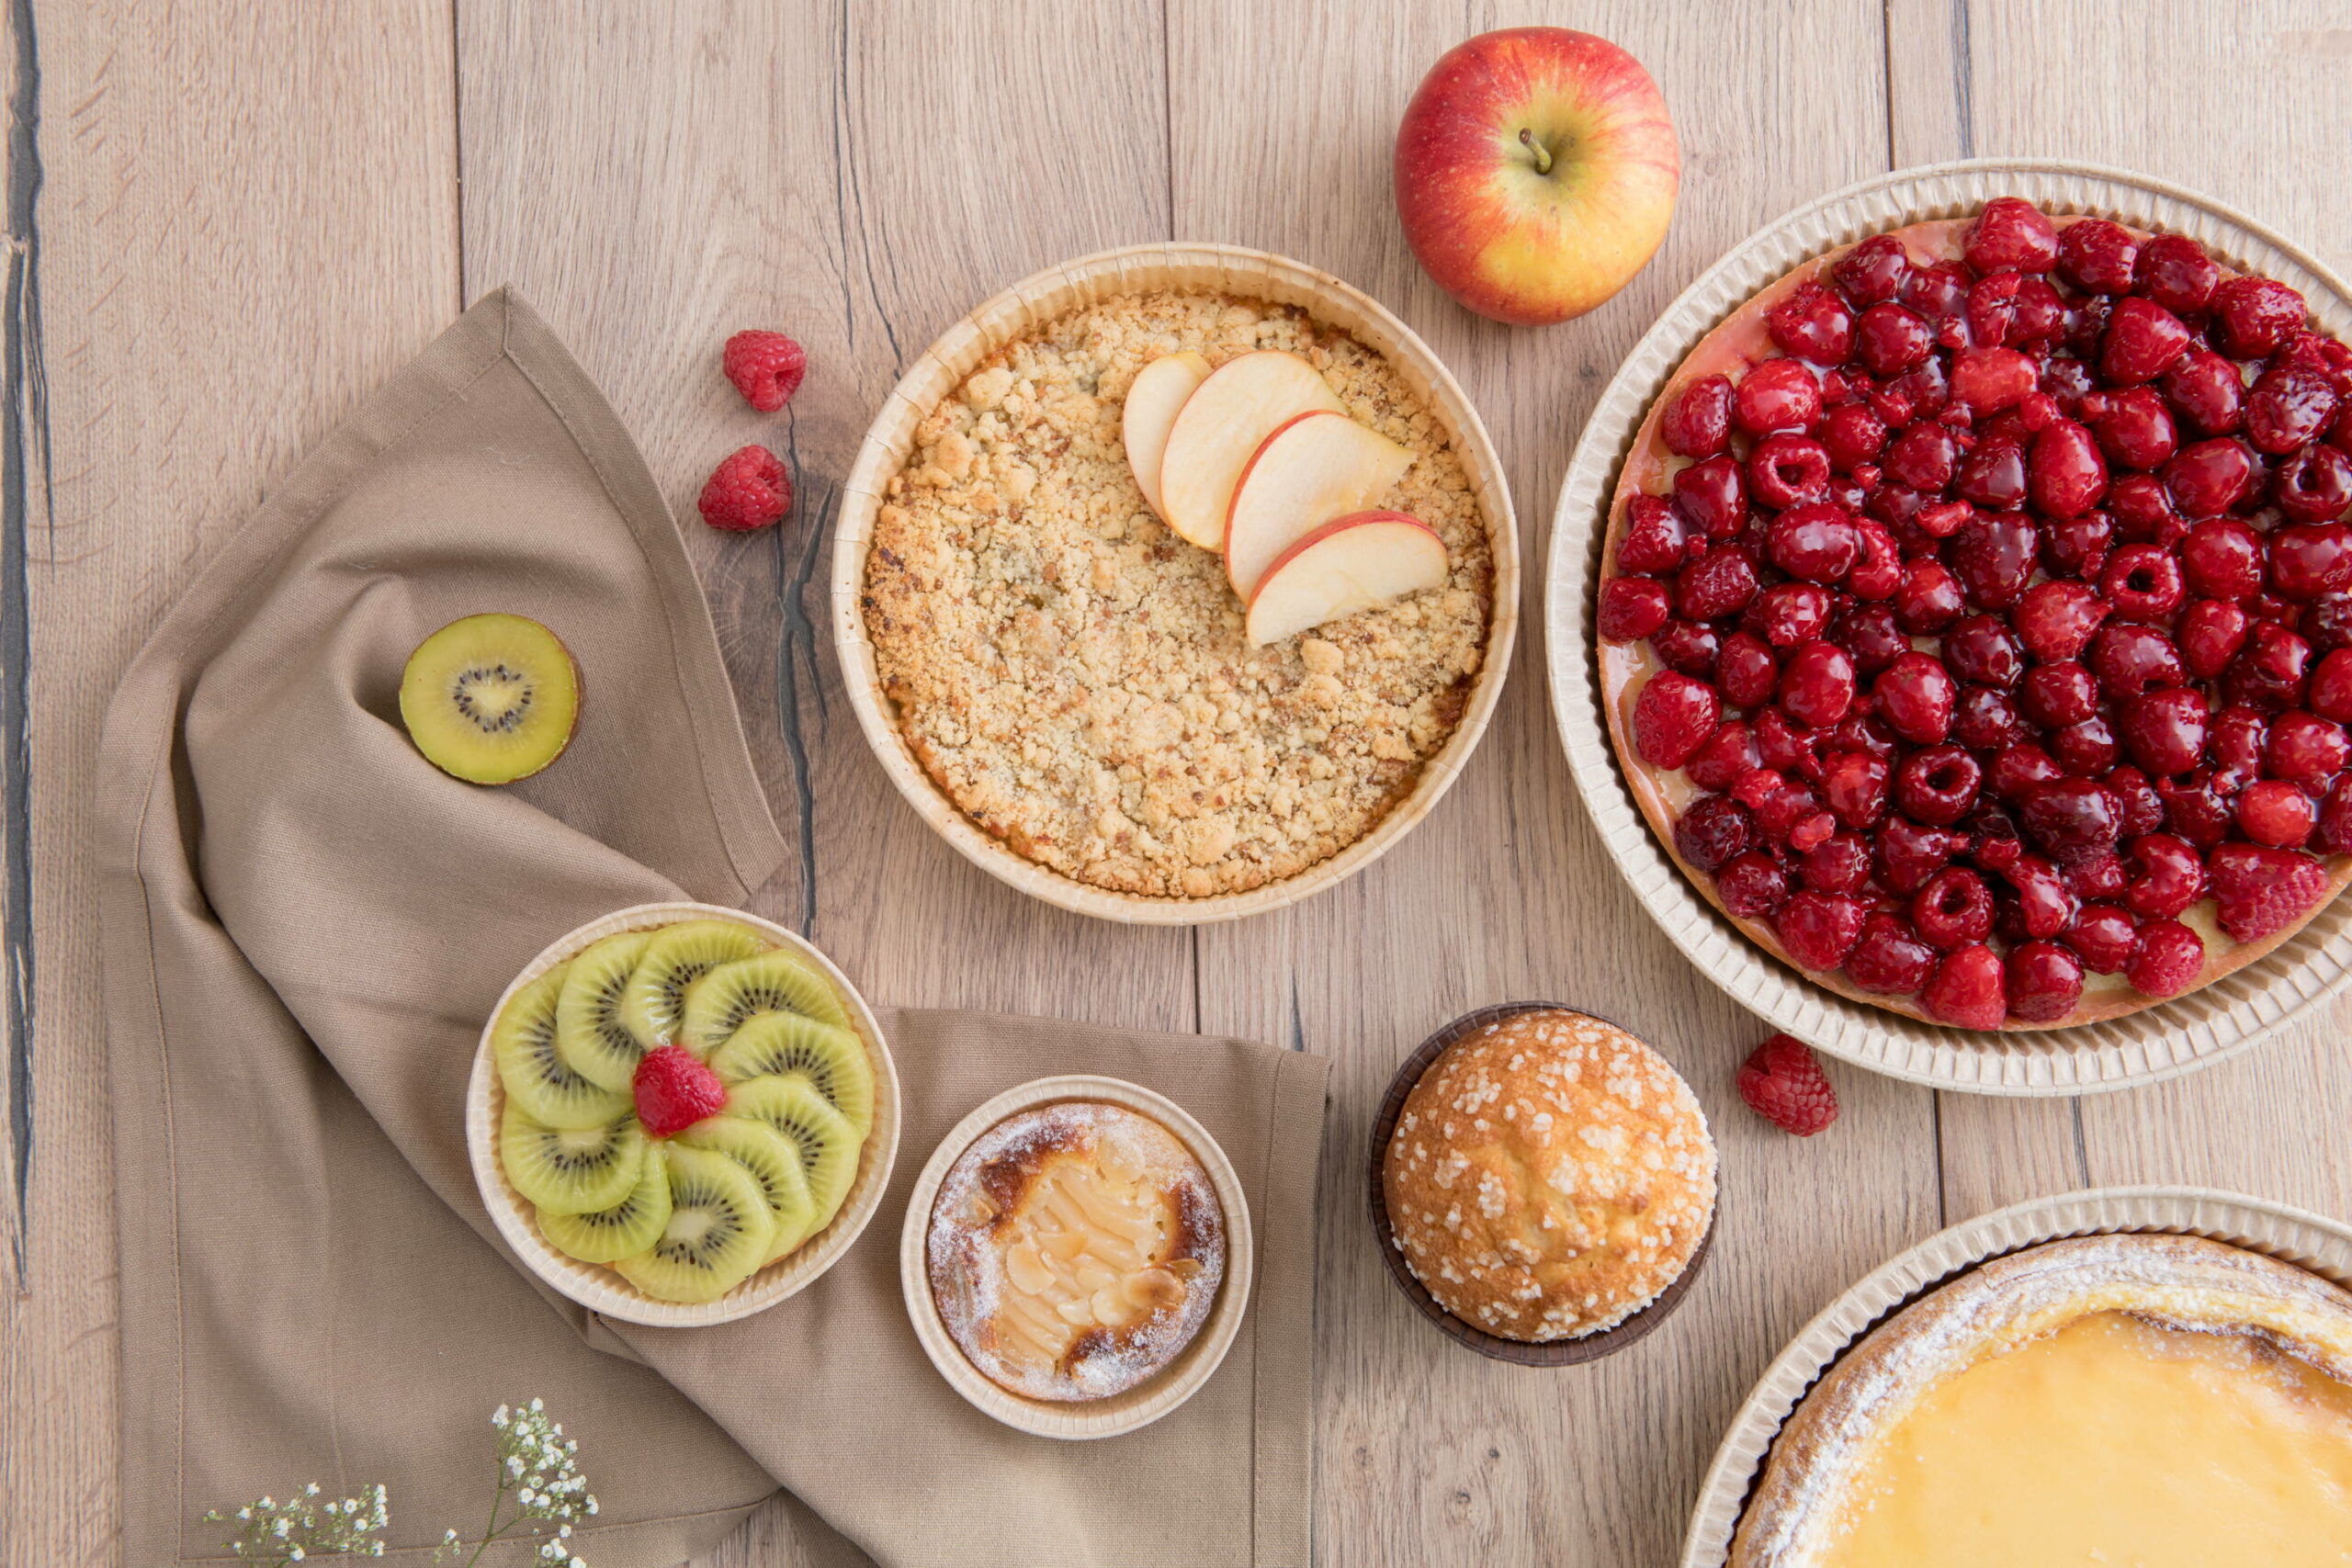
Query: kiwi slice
(832, 1059)
(774, 1161)
(828, 1144)
(631, 1225)
(595, 1043)
(677, 957)
(570, 1170)
(718, 1229)
(729, 996)
(522, 1044)
(490, 699)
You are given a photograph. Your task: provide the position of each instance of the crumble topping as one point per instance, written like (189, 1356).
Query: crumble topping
(1074, 675)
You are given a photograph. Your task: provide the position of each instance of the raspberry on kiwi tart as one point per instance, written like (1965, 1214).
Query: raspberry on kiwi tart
(1976, 618)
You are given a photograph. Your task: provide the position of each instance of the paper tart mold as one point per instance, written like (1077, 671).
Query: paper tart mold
(2163, 1040)
(600, 1289)
(1039, 298)
(1191, 1367)
(1591, 1347)
(2309, 1241)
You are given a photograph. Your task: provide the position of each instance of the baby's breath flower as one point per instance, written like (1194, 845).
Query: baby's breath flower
(300, 1528)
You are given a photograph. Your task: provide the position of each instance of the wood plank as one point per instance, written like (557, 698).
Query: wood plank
(1973, 78)
(1504, 892)
(228, 259)
(811, 168)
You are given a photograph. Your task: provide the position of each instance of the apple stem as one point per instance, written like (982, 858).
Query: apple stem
(1543, 156)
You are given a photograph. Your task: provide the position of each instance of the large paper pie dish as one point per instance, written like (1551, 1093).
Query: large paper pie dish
(602, 1289)
(2251, 1290)
(1035, 736)
(2111, 1042)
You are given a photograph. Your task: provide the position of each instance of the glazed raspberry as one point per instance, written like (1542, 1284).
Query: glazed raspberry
(2205, 391)
(1817, 685)
(2165, 729)
(1726, 758)
(2055, 620)
(2276, 813)
(2098, 257)
(1746, 670)
(1787, 470)
(2268, 675)
(2167, 959)
(2262, 891)
(1812, 323)
(2330, 693)
(2045, 981)
(1852, 435)
(1817, 929)
(2104, 935)
(1718, 583)
(2037, 318)
(1937, 785)
(1788, 615)
(2134, 428)
(1689, 647)
(2255, 315)
(1929, 600)
(1870, 635)
(1873, 272)
(2222, 559)
(1915, 696)
(2176, 273)
(2010, 236)
(1779, 394)
(1632, 608)
(1968, 989)
(1984, 719)
(2315, 485)
(1854, 787)
(1752, 887)
(1889, 339)
(2168, 876)
(2143, 582)
(2305, 748)
(2142, 342)
(749, 490)
(1713, 831)
(1787, 749)
(765, 367)
(2328, 623)
(2307, 559)
(2019, 771)
(2057, 694)
(1672, 719)
(1939, 293)
(2046, 901)
(1993, 476)
(2240, 736)
(1811, 833)
(1982, 648)
(2334, 835)
(2066, 473)
(2143, 512)
(1713, 496)
(2077, 546)
(2144, 809)
(1908, 854)
(1888, 958)
(2074, 819)
(1923, 458)
(1990, 379)
(2086, 749)
(675, 1090)
(1818, 542)
(1697, 422)
(1783, 1082)
(1993, 557)
(1658, 540)
(2128, 658)
(1954, 909)
(2288, 408)
(2196, 809)
(2211, 632)
(1839, 864)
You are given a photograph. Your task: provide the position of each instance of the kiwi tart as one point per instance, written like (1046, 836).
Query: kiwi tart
(684, 1105)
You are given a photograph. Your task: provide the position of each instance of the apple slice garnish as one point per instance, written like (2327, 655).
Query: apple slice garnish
(1350, 563)
(1310, 469)
(1220, 424)
(1159, 389)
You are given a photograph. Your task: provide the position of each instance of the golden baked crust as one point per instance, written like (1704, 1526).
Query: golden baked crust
(1074, 676)
(1741, 338)
(2175, 1281)
(1074, 1250)
(1549, 1177)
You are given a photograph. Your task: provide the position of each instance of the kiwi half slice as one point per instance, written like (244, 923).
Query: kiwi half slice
(828, 1144)
(589, 1030)
(677, 956)
(490, 699)
(631, 1225)
(522, 1044)
(774, 1161)
(570, 1170)
(832, 1059)
(776, 981)
(718, 1229)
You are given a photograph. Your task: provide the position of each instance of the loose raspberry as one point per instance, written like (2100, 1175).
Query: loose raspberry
(1783, 1083)
(766, 368)
(748, 491)
(675, 1090)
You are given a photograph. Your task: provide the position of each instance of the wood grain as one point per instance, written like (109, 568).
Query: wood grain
(251, 213)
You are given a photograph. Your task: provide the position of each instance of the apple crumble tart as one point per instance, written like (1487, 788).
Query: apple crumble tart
(1080, 681)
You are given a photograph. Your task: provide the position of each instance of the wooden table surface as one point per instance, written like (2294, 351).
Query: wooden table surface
(228, 223)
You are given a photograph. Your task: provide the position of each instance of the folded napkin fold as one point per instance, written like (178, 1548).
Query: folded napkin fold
(305, 924)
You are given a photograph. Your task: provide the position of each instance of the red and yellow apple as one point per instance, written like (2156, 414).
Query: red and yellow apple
(1350, 563)
(1316, 466)
(1537, 170)
(1234, 409)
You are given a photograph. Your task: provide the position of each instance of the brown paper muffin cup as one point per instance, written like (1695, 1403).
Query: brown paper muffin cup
(1550, 1353)
(600, 1289)
(2162, 1041)
(1080, 1420)
(2292, 1235)
(1231, 269)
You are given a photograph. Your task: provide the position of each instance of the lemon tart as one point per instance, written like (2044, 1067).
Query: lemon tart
(2158, 1401)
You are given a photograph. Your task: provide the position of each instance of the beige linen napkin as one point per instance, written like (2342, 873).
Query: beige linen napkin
(304, 925)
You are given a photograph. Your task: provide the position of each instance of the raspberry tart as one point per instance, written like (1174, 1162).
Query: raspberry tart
(1976, 618)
